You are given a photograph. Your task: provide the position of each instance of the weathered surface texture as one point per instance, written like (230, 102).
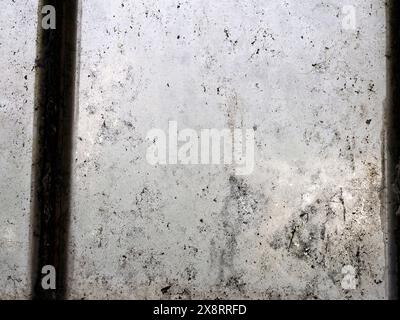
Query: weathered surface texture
(311, 89)
(313, 92)
(17, 56)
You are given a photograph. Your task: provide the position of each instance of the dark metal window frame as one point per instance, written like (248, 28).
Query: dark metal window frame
(56, 69)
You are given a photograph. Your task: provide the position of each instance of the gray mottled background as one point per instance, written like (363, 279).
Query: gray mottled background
(17, 60)
(312, 91)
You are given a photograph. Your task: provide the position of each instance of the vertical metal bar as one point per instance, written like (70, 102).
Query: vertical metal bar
(54, 117)
(393, 148)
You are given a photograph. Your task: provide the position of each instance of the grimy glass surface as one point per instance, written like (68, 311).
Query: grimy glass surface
(160, 208)
(18, 20)
(306, 77)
